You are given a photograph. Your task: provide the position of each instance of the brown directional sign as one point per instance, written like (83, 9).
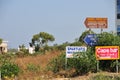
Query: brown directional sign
(96, 22)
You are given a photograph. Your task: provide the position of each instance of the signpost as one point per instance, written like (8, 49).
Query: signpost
(96, 22)
(74, 52)
(107, 53)
(91, 39)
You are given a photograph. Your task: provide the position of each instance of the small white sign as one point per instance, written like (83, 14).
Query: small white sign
(72, 51)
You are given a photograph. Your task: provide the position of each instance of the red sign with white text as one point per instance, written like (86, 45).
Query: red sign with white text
(107, 52)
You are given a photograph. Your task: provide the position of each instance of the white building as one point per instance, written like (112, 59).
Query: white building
(4, 47)
(31, 50)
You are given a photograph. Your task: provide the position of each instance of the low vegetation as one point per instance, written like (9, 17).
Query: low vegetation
(105, 76)
(50, 61)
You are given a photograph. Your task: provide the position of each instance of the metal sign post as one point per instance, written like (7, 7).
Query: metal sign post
(98, 66)
(65, 63)
(116, 66)
(0, 75)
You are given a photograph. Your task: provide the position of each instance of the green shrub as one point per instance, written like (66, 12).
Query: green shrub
(85, 63)
(63, 46)
(76, 44)
(22, 53)
(32, 67)
(6, 57)
(9, 69)
(57, 63)
(105, 77)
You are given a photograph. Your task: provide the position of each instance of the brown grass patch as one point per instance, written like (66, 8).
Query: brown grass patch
(39, 60)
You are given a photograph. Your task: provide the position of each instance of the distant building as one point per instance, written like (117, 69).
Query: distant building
(31, 50)
(4, 47)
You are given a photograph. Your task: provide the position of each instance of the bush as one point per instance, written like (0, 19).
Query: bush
(6, 57)
(63, 46)
(22, 53)
(85, 63)
(32, 67)
(76, 44)
(57, 64)
(105, 77)
(9, 69)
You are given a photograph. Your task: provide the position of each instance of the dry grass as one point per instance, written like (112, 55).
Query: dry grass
(42, 74)
(40, 60)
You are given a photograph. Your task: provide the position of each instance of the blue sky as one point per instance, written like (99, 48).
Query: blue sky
(64, 19)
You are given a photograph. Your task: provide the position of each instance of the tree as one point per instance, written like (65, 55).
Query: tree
(41, 39)
(35, 42)
(108, 39)
(116, 40)
(1, 40)
(45, 37)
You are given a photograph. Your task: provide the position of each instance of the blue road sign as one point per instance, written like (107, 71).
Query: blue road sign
(91, 39)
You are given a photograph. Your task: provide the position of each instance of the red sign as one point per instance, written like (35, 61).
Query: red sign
(96, 23)
(107, 52)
